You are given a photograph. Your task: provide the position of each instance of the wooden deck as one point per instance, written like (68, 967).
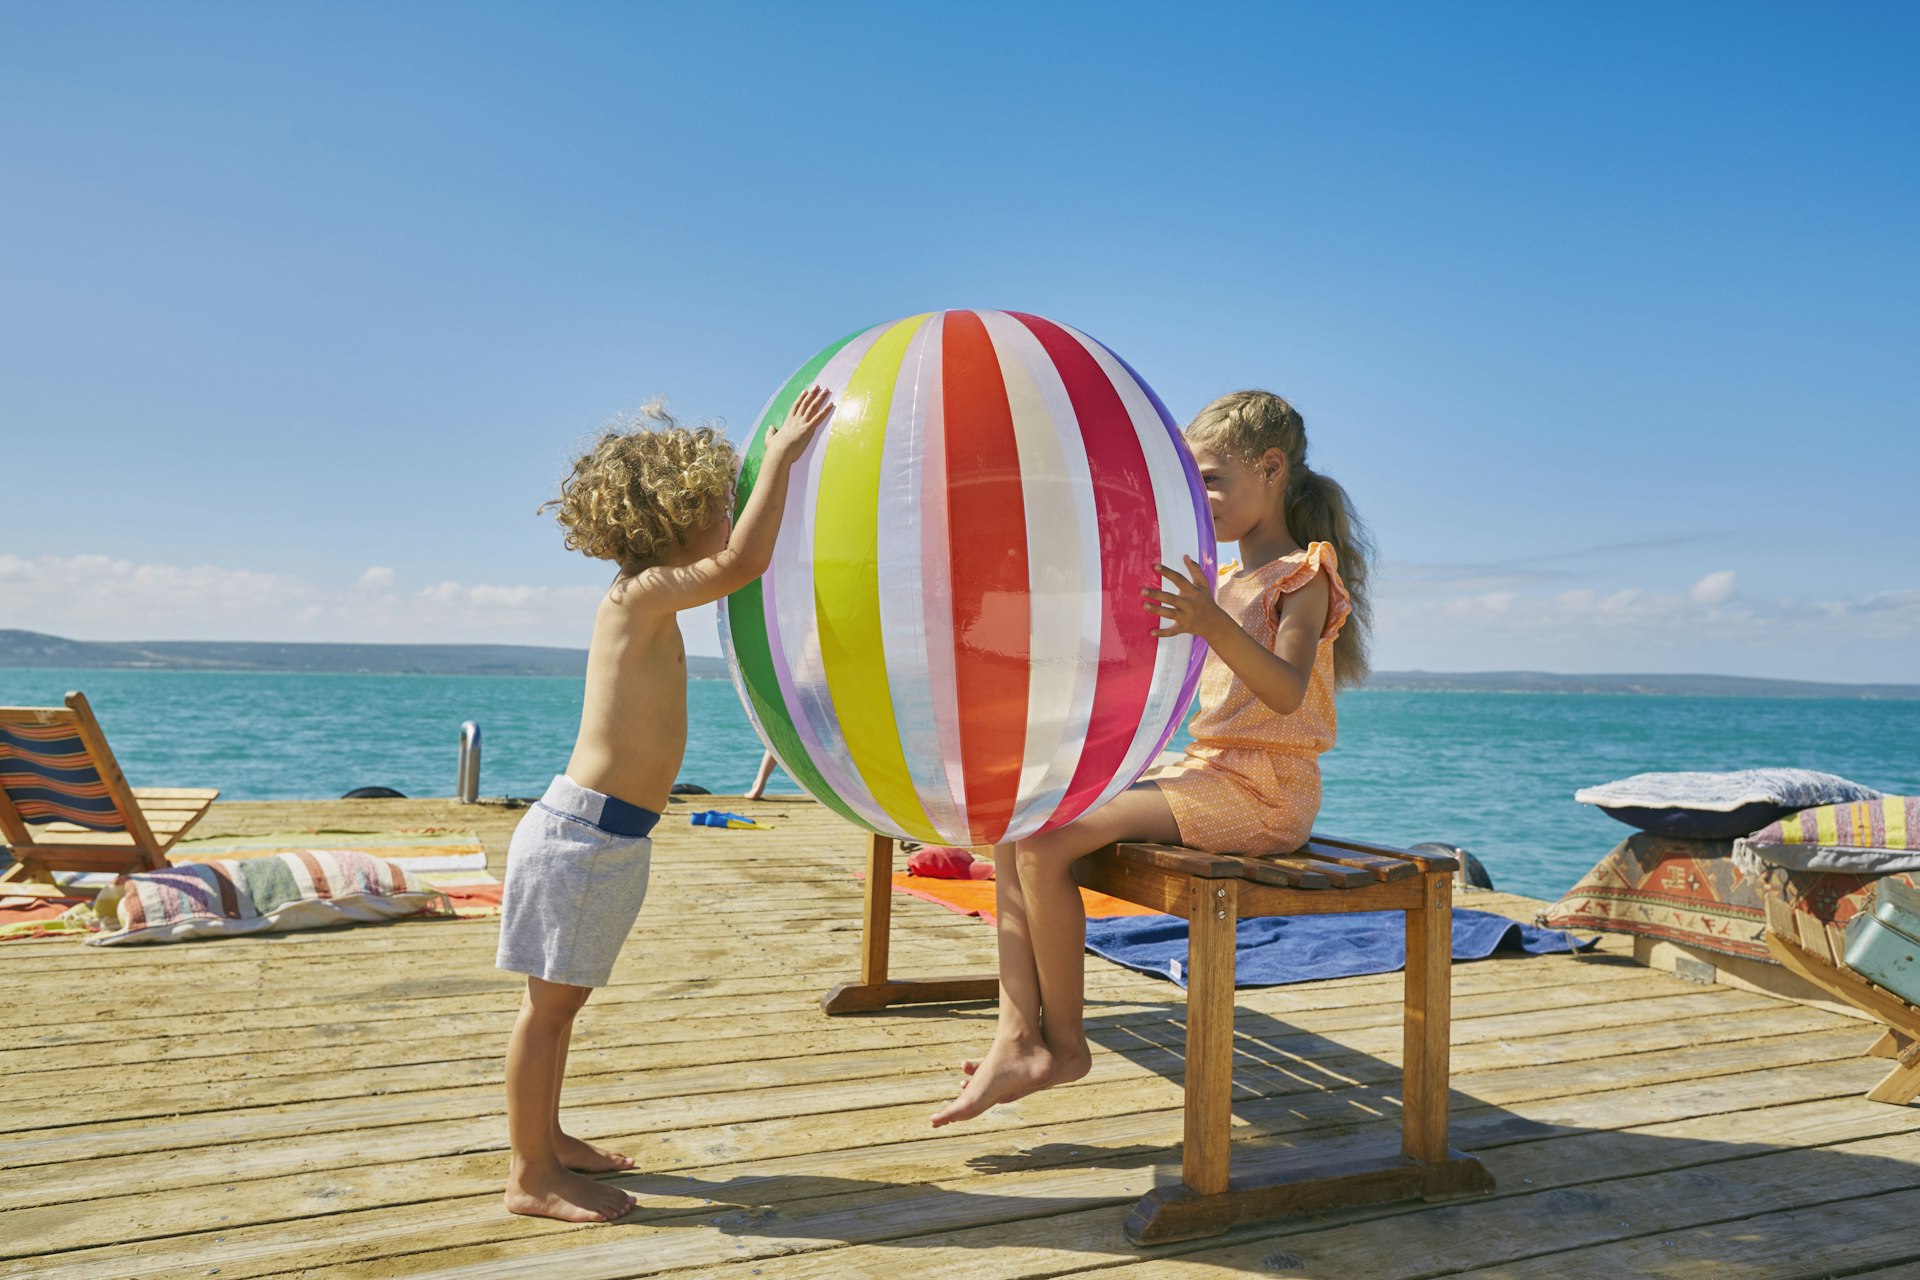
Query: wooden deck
(330, 1104)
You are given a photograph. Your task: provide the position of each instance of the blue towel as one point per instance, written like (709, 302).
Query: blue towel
(1272, 950)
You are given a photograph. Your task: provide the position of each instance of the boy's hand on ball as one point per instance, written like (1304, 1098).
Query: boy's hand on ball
(814, 407)
(1189, 608)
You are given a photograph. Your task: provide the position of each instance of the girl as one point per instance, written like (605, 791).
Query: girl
(1283, 633)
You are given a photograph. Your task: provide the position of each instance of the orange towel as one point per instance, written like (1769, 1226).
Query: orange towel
(975, 897)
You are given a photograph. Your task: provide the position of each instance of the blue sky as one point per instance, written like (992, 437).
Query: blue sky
(1607, 315)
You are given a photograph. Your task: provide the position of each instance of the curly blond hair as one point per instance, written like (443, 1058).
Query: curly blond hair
(646, 486)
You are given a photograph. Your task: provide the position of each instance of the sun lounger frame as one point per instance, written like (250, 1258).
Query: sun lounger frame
(1812, 948)
(152, 819)
(1214, 892)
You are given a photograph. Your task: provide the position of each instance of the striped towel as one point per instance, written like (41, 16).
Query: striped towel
(304, 889)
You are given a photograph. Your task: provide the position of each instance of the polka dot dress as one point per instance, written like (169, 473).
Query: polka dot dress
(1250, 783)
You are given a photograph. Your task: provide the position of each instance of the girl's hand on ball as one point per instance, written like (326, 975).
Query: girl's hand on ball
(1189, 608)
(814, 407)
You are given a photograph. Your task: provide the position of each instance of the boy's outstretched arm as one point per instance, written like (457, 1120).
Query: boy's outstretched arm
(1277, 676)
(749, 548)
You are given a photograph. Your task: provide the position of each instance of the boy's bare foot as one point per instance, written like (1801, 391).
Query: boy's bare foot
(570, 1197)
(1012, 1069)
(585, 1157)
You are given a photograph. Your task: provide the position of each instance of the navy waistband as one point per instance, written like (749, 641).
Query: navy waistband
(609, 813)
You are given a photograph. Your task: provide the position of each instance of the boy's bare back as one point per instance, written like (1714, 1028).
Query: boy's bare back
(633, 726)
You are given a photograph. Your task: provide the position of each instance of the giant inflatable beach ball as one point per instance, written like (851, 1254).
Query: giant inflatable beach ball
(949, 646)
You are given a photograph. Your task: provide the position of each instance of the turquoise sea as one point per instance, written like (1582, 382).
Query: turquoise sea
(1494, 773)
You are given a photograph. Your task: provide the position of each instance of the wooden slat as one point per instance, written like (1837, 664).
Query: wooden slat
(1381, 867)
(1335, 875)
(1266, 871)
(1187, 862)
(1266, 900)
(1142, 884)
(1425, 861)
(1812, 932)
(63, 837)
(193, 795)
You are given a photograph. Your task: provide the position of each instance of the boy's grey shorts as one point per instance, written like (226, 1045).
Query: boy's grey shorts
(576, 876)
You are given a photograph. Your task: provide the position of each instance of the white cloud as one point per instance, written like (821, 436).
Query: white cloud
(1425, 621)
(1715, 588)
(93, 597)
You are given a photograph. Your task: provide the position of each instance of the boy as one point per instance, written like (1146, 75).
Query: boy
(656, 503)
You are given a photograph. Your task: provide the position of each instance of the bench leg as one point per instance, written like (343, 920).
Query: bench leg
(1427, 1031)
(1208, 1201)
(875, 990)
(1214, 914)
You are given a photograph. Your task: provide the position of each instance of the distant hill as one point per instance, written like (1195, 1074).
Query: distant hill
(1683, 686)
(32, 649)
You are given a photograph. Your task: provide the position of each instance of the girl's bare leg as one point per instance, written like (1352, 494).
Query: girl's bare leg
(1017, 1062)
(1057, 916)
(537, 1183)
(1051, 937)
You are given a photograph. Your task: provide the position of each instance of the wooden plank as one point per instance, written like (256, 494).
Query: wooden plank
(1168, 1214)
(1428, 1022)
(1764, 1108)
(1812, 932)
(1889, 1044)
(1334, 874)
(1425, 861)
(1765, 1113)
(1846, 984)
(1163, 857)
(1212, 915)
(322, 1066)
(1768, 1218)
(1380, 866)
(1140, 883)
(1851, 1232)
(336, 1130)
(1266, 900)
(877, 926)
(1290, 876)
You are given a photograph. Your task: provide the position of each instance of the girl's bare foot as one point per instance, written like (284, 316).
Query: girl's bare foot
(1012, 1069)
(570, 1197)
(585, 1157)
(1067, 1066)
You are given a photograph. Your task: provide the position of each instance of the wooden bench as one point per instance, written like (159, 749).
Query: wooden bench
(1214, 892)
(1812, 948)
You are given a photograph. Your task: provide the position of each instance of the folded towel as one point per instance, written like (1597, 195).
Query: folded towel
(1272, 950)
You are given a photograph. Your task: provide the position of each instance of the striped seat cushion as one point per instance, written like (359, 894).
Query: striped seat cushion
(1867, 837)
(304, 889)
(49, 776)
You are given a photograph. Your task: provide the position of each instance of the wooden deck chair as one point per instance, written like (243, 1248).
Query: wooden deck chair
(1812, 948)
(65, 805)
(1215, 891)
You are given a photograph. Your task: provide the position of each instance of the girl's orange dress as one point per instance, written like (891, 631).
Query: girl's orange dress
(1250, 783)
